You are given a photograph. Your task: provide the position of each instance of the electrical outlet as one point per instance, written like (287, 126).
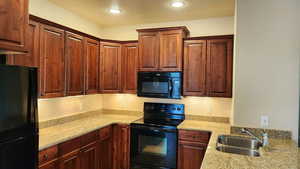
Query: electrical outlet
(264, 121)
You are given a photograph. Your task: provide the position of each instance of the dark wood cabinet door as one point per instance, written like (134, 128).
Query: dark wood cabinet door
(30, 59)
(91, 66)
(70, 161)
(74, 49)
(219, 67)
(125, 147)
(194, 68)
(89, 157)
(105, 153)
(129, 67)
(171, 50)
(121, 147)
(14, 21)
(148, 51)
(50, 165)
(110, 75)
(52, 61)
(190, 155)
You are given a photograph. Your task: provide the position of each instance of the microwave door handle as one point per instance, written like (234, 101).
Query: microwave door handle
(170, 86)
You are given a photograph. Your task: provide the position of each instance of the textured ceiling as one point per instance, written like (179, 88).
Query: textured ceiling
(146, 11)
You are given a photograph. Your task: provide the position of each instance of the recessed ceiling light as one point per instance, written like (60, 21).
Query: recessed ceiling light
(177, 4)
(115, 11)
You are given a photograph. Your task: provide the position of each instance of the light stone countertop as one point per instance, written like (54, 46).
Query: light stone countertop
(63, 132)
(280, 154)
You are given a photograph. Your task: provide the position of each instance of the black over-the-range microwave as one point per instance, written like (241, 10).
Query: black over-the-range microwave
(160, 84)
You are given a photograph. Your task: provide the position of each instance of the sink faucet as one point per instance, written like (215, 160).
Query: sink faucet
(264, 140)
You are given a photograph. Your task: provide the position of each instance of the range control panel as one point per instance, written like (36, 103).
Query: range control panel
(162, 108)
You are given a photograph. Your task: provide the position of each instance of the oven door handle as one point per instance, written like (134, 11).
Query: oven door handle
(154, 129)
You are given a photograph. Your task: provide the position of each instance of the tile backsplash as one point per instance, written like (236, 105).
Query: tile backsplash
(66, 106)
(204, 106)
(61, 107)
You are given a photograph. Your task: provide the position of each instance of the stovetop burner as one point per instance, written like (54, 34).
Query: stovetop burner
(162, 114)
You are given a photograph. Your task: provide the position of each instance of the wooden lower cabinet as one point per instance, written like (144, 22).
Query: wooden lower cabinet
(190, 155)
(191, 148)
(50, 165)
(70, 160)
(48, 158)
(89, 156)
(105, 148)
(121, 147)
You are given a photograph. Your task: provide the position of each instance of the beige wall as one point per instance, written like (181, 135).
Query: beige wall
(66, 106)
(204, 106)
(54, 13)
(267, 64)
(203, 27)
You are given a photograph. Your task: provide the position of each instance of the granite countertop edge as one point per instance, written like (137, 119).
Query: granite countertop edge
(213, 159)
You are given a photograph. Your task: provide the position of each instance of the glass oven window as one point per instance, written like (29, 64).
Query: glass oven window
(153, 145)
(155, 87)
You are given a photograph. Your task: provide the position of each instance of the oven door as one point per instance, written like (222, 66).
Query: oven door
(153, 147)
(152, 86)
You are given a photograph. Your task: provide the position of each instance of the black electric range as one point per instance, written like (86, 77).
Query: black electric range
(154, 138)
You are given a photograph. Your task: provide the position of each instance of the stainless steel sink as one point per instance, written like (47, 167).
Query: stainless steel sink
(237, 141)
(238, 145)
(236, 150)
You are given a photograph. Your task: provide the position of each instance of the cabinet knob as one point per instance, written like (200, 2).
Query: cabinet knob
(45, 156)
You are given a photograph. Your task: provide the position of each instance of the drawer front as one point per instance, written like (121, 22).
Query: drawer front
(105, 133)
(89, 138)
(69, 146)
(195, 136)
(48, 155)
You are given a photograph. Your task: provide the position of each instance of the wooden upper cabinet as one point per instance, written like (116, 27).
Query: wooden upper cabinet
(31, 58)
(171, 50)
(148, 51)
(110, 66)
(161, 49)
(74, 50)
(14, 21)
(91, 66)
(194, 68)
(52, 61)
(219, 67)
(208, 66)
(129, 67)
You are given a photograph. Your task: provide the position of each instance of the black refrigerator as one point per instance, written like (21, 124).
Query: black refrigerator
(18, 118)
